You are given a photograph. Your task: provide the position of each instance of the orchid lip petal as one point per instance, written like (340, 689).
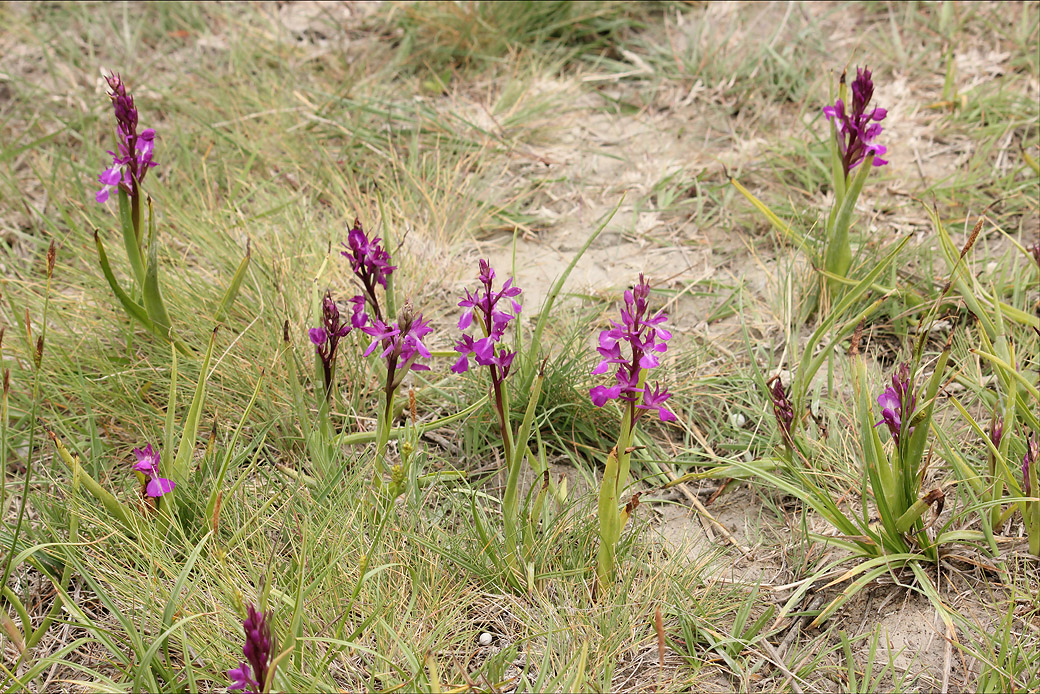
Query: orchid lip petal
(159, 486)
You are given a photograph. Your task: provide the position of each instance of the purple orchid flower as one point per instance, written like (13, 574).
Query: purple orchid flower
(492, 321)
(326, 337)
(896, 401)
(251, 675)
(371, 265)
(646, 339)
(858, 129)
(401, 342)
(134, 158)
(782, 408)
(1031, 458)
(148, 463)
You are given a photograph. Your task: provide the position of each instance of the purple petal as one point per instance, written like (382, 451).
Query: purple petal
(462, 365)
(600, 394)
(665, 414)
(102, 195)
(111, 177)
(159, 486)
(318, 336)
(648, 361)
(483, 350)
(466, 319)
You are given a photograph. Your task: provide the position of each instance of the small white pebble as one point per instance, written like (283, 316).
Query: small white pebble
(485, 639)
(737, 419)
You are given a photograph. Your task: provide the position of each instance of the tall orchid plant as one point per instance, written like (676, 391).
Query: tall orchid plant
(490, 311)
(132, 159)
(854, 131)
(633, 345)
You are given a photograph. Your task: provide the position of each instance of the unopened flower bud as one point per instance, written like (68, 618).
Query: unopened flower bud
(405, 316)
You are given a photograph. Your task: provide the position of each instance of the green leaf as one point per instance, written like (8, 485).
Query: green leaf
(550, 299)
(153, 301)
(182, 579)
(111, 504)
(807, 368)
(838, 257)
(132, 308)
(777, 223)
(131, 238)
(191, 423)
(232, 290)
(211, 505)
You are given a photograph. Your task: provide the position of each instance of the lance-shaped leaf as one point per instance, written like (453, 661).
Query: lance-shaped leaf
(111, 504)
(131, 237)
(232, 290)
(153, 300)
(132, 308)
(191, 422)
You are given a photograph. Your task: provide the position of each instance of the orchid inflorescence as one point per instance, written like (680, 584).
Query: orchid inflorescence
(400, 342)
(492, 322)
(134, 157)
(252, 674)
(371, 265)
(783, 410)
(646, 339)
(857, 128)
(326, 337)
(148, 463)
(1029, 461)
(897, 401)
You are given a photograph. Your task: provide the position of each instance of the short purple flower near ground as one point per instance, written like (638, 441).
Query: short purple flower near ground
(996, 431)
(134, 158)
(782, 408)
(251, 675)
(148, 463)
(646, 338)
(896, 400)
(1032, 457)
(492, 321)
(858, 128)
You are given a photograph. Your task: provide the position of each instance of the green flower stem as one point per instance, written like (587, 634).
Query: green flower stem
(130, 221)
(514, 457)
(615, 479)
(838, 256)
(383, 436)
(394, 434)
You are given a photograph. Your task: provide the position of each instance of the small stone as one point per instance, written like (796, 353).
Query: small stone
(485, 639)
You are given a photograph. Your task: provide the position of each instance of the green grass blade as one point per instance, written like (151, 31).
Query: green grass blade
(550, 299)
(232, 290)
(190, 429)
